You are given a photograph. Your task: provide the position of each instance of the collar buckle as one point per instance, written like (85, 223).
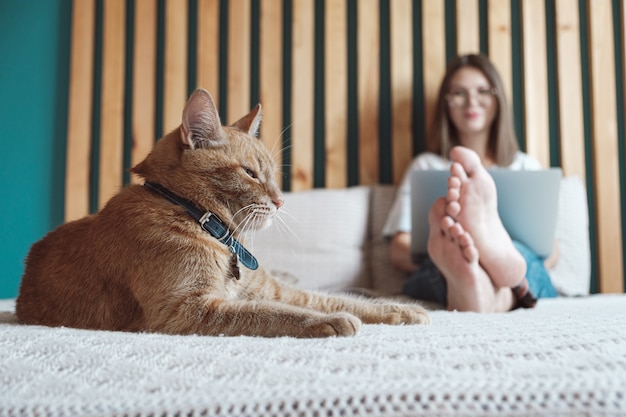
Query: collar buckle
(205, 217)
(209, 219)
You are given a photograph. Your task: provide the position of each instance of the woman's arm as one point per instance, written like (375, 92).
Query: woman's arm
(400, 252)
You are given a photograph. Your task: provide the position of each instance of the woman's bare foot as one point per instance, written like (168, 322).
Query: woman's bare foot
(452, 250)
(472, 202)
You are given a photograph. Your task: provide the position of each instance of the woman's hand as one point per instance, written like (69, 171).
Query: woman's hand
(551, 261)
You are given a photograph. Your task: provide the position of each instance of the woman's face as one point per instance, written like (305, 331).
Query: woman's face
(472, 103)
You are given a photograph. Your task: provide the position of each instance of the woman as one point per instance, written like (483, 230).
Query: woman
(473, 264)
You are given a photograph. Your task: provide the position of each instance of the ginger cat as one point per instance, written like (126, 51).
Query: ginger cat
(145, 262)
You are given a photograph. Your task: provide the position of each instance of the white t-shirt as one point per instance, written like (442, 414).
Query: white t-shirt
(399, 219)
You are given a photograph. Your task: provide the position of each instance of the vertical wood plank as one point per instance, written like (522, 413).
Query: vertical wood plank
(499, 39)
(401, 86)
(175, 66)
(112, 104)
(622, 30)
(207, 52)
(570, 93)
(302, 94)
(368, 67)
(238, 80)
(144, 81)
(336, 93)
(80, 110)
(271, 76)
(605, 148)
(467, 27)
(433, 32)
(535, 80)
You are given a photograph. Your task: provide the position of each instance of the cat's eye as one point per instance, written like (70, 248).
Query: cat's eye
(251, 173)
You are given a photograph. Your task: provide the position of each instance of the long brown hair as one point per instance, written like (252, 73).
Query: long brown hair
(443, 134)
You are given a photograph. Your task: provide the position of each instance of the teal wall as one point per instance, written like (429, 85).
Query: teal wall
(34, 62)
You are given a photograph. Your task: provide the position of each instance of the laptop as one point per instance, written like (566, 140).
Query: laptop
(527, 204)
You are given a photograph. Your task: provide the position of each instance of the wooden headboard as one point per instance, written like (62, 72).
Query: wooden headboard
(347, 88)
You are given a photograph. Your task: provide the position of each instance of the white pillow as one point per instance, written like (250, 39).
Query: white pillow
(322, 240)
(572, 273)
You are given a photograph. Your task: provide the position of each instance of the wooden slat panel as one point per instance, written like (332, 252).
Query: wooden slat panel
(175, 67)
(368, 67)
(401, 86)
(622, 29)
(467, 30)
(569, 81)
(302, 95)
(433, 32)
(144, 76)
(499, 17)
(271, 75)
(336, 93)
(80, 110)
(535, 80)
(238, 59)
(112, 105)
(605, 149)
(208, 54)
(604, 118)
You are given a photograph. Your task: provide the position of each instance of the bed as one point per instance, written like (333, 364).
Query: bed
(566, 357)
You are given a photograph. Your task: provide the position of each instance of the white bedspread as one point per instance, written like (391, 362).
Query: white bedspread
(566, 357)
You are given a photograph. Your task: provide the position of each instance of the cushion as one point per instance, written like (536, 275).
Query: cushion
(319, 239)
(572, 274)
(385, 279)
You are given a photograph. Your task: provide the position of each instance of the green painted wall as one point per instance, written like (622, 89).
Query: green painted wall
(34, 62)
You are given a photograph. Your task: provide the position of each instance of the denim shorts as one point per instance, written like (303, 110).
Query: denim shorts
(428, 284)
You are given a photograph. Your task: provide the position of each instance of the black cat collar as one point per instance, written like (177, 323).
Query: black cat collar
(211, 223)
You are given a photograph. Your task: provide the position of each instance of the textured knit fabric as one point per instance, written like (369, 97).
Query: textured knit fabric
(566, 357)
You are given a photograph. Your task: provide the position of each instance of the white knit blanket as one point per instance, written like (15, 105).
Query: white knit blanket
(565, 357)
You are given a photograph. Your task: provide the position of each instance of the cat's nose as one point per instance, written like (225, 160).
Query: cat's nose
(278, 202)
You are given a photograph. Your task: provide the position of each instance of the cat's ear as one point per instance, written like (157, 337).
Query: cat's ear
(201, 122)
(250, 122)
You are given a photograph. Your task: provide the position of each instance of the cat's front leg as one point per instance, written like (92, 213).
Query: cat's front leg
(215, 317)
(382, 311)
(390, 312)
(272, 319)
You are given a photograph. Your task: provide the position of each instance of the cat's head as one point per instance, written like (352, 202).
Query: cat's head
(223, 169)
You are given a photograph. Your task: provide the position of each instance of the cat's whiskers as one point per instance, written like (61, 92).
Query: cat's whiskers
(285, 173)
(239, 223)
(285, 148)
(254, 214)
(278, 140)
(248, 230)
(249, 225)
(284, 228)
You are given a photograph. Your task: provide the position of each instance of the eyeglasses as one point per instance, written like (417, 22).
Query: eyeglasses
(460, 98)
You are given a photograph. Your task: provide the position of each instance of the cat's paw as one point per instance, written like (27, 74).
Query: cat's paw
(405, 314)
(336, 324)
